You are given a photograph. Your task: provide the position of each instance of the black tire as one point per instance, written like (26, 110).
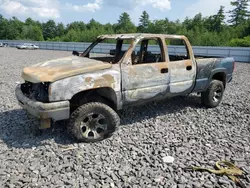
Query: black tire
(212, 97)
(93, 122)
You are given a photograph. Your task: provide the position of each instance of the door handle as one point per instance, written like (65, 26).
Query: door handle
(189, 67)
(164, 70)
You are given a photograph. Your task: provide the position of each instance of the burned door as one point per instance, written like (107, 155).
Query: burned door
(145, 73)
(182, 70)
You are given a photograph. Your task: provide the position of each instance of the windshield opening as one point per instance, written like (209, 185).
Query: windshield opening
(108, 50)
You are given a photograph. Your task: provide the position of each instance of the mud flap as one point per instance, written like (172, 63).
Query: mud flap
(45, 124)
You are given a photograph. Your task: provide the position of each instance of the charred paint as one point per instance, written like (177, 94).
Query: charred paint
(54, 70)
(88, 79)
(71, 75)
(66, 88)
(173, 77)
(109, 78)
(132, 84)
(205, 66)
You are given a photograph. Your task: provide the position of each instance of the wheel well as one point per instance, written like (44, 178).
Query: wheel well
(104, 95)
(221, 76)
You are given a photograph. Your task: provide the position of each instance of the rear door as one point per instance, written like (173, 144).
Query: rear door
(145, 74)
(182, 68)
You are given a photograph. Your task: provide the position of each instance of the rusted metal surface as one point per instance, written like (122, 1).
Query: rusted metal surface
(45, 124)
(181, 79)
(71, 75)
(55, 110)
(53, 70)
(66, 88)
(146, 81)
(132, 83)
(205, 66)
(128, 79)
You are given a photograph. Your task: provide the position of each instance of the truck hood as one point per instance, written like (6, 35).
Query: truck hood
(57, 69)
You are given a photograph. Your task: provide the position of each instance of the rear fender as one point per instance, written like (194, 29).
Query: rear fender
(214, 72)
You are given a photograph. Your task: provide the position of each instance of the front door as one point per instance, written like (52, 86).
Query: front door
(146, 76)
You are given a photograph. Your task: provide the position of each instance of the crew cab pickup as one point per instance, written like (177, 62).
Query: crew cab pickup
(88, 88)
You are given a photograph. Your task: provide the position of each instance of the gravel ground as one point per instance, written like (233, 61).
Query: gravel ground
(135, 155)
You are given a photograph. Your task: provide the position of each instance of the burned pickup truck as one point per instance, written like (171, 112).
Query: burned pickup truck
(87, 89)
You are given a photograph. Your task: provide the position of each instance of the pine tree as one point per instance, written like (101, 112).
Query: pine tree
(125, 24)
(218, 20)
(144, 22)
(240, 13)
(220, 16)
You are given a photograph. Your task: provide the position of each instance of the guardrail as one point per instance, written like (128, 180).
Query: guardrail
(240, 54)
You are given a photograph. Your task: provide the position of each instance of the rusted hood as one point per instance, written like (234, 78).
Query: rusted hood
(57, 69)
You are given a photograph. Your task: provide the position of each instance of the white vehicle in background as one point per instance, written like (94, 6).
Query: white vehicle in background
(3, 44)
(27, 46)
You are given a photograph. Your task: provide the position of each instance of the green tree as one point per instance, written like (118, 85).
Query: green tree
(216, 22)
(164, 26)
(31, 32)
(37, 33)
(60, 30)
(13, 29)
(125, 24)
(158, 26)
(239, 13)
(72, 36)
(3, 27)
(144, 22)
(204, 31)
(108, 28)
(93, 24)
(76, 26)
(219, 19)
(245, 42)
(29, 21)
(49, 29)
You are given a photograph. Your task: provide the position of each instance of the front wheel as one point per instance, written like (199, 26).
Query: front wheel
(212, 97)
(93, 122)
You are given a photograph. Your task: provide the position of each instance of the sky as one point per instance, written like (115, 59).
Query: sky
(108, 11)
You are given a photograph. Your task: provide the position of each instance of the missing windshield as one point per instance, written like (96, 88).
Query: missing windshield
(107, 50)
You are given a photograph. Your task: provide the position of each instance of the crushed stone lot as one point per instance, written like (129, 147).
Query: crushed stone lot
(135, 156)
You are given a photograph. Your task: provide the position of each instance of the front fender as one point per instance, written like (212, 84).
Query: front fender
(66, 88)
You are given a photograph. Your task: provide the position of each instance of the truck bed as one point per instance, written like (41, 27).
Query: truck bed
(208, 67)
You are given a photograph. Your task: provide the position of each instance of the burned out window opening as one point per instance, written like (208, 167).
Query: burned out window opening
(182, 52)
(108, 50)
(148, 50)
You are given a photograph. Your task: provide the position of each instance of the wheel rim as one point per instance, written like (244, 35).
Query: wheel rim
(93, 126)
(217, 95)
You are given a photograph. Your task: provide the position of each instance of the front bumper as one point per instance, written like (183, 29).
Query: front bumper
(44, 111)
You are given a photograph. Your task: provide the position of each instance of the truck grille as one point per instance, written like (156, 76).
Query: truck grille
(37, 91)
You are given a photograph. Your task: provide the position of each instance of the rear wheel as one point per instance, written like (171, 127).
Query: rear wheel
(212, 97)
(93, 122)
